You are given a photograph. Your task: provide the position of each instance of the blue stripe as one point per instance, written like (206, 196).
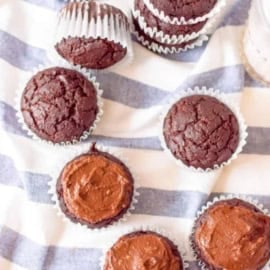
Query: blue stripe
(20, 250)
(152, 201)
(19, 54)
(26, 253)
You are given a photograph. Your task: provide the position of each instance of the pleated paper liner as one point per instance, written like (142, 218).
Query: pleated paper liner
(223, 99)
(79, 21)
(56, 172)
(181, 20)
(205, 207)
(65, 65)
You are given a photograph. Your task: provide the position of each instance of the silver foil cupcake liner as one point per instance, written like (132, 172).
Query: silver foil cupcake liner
(205, 207)
(222, 98)
(56, 171)
(170, 49)
(77, 23)
(181, 20)
(158, 230)
(162, 37)
(62, 64)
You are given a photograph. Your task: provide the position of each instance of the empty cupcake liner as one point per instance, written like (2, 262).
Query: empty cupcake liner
(224, 99)
(62, 64)
(158, 230)
(168, 49)
(75, 23)
(56, 171)
(181, 20)
(162, 37)
(206, 206)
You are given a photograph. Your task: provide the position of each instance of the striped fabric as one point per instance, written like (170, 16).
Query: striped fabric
(32, 235)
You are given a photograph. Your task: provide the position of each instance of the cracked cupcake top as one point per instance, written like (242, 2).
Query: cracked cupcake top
(201, 131)
(59, 104)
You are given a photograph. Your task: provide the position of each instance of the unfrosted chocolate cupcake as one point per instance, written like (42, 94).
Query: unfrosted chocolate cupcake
(155, 26)
(95, 189)
(143, 250)
(234, 235)
(92, 35)
(189, 9)
(157, 46)
(201, 131)
(59, 105)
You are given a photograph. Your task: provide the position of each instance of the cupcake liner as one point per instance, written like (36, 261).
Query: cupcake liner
(56, 171)
(75, 24)
(62, 64)
(162, 37)
(256, 54)
(181, 249)
(181, 20)
(245, 198)
(168, 49)
(224, 99)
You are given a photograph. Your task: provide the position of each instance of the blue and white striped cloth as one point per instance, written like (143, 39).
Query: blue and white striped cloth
(32, 235)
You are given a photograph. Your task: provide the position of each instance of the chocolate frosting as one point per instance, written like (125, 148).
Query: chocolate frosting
(143, 251)
(233, 235)
(96, 187)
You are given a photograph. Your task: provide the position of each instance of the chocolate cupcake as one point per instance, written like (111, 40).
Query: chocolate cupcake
(164, 32)
(163, 48)
(143, 250)
(184, 11)
(60, 105)
(202, 132)
(93, 35)
(95, 189)
(232, 234)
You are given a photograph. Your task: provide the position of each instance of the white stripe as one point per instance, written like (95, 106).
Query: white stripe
(32, 24)
(247, 175)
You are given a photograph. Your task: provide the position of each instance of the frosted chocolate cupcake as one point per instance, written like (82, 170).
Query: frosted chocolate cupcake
(143, 250)
(95, 189)
(232, 234)
(59, 105)
(93, 35)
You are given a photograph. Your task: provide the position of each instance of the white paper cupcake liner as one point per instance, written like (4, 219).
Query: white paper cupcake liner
(75, 24)
(56, 171)
(158, 230)
(245, 198)
(62, 64)
(163, 49)
(181, 20)
(224, 99)
(161, 37)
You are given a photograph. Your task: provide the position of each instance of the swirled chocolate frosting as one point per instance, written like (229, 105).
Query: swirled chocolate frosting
(233, 235)
(96, 188)
(143, 251)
